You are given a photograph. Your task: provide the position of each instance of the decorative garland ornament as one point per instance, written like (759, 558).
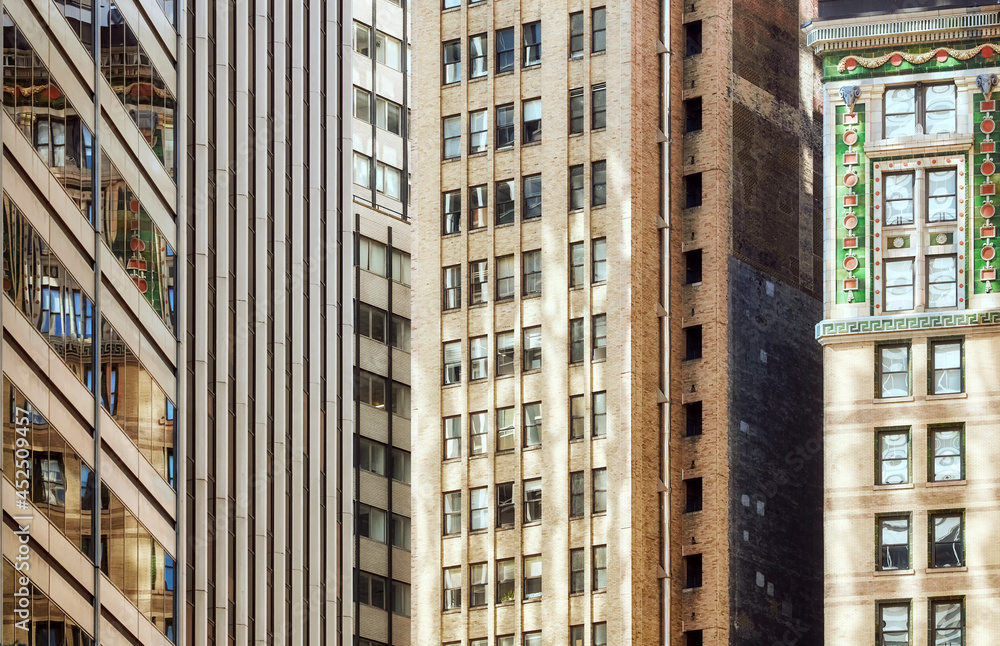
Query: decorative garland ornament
(850, 62)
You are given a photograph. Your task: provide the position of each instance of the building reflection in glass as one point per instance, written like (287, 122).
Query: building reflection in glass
(136, 402)
(47, 624)
(136, 242)
(79, 15)
(46, 293)
(39, 108)
(138, 85)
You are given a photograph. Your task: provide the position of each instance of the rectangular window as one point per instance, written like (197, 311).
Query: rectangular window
(531, 118)
(948, 549)
(600, 421)
(599, 260)
(372, 523)
(505, 50)
(478, 352)
(401, 532)
(532, 272)
(478, 131)
(363, 105)
(600, 579)
(894, 543)
(399, 333)
(400, 598)
(946, 450)
(506, 576)
(479, 509)
(576, 111)
(533, 638)
(692, 571)
(505, 353)
(371, 389)
(389, 116)
(505, 505)
(532, 577)
(942, 196)
(598, 107)
(400, 267)
(387, 180)
(600, 483)
(452, 53)
(599, 337)
(946, 367)
(452, 279)
(371, 322)
(452, 362)
(600, 634)
(692, 266)
(576, 504)
(942, 281)
(577, 413)
(505, 277)
(452, 207)
(451, 4)
(692, 495)
(898, 284)
(362, 39)
(576, 341)
(371, 456)
(576, 34)
(599, 39)
(577, 568)
(532, 359)
(894, 371)
(576, 264)
(532, 424)
(400, 465)
(478, 432)
(372, 590)
(388, 51)
(452, 437)
(505, 126)
(900, 112)
(599, 183)
(452, 588)
(505, 429)
(922, 109)
(505, 202)
(362, 170)
(894, 624)
(532, 43)
(692, 115)
(478, 282)
(371, 256)
(453, 513)
(692, 419)
(692, 38)
(898, 198)
(894, 457)
(576, 635)
(576, 194)
(948, 627)
(692, 190)
(533, 500)
(452, 137)
(478, 585)
(400, 400)
(477, 56)
(939, 109)
(478, 206)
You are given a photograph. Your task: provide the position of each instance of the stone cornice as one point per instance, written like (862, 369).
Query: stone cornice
(904, 323)
(902, 29)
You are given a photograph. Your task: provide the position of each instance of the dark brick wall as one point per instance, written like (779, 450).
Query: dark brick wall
(766, 45)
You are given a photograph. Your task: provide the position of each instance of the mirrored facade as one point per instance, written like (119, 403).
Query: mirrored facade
(44, 622)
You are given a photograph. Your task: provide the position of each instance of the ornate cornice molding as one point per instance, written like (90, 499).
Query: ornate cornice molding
(904, 323)
(894, 31)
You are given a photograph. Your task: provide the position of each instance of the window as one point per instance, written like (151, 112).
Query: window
(451, 4)
(692, 419)
(505, 50)
(600, 483)
(600, 634)
(372, 590)
(599, 183)
(947, 463)
(362, 39)
(505, 202)
(946, 367)
(387, 180)
(389, 116)
(506, 575)
(477, 431)
(894, 457)
(505, 429)
(577, 414)
(532, 577)
(942, 281)
(478, 286)
(532, 424)
(478, 205)
(478, 583)
(453, 513)
(505, 277)
(694, 638)
(362, 170)
(692, 190)
(599, 39)
(576, 263)
(505, 353)
(692, 38)
(600, 421)
(478, 133)
(388, 51)
(477, 56)
(576, 110)
(599, 260)
(371, 456)
(400, 598)
(452, 287)
(531, 117)
(576, 34)
(401, 532)
(692, 495)
(479, 509)
(898, 198)
(505, 504)
(452, 201)
(576, 341)
(371, 389)
(576, 571)
(452, 437)
(598, 107)
(576, 505)
(532, 500)
(692, 342)
(920, 109)
(576, 194)
(372, 523)
(453, 137)
(893, 543)
(505, 126)
(532, 43)
(948, 549)
(576, 635)
(400, 400)
(533, 638)
(363, 105)
(599, 338)
(600, 579)
(400, 267)
(942, 196)
(898, 284)
(532, 272)
(371, 322)
(532, 207)
(532, 359)
(478, 357)
(452, 588)
(948, 627)
(692, 571)
(692, 267)
(894, 624)
(692, 115)
(452, 52)
(894, 370)
(371, 256)
(400, 465)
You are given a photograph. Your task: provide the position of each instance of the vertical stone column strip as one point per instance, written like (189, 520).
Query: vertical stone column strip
(179, 612)
(98, 326)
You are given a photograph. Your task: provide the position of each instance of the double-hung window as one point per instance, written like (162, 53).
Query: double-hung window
(452, 206)
(532, 207)
(599, 183)
(945, 446)
(477, 56)
(599, 260)
(477, 433)
(576, 340)
(531, 118)
(532, 44)
(505, 506)
(452, 53)
(478, 131)
(478, 368)
(453, 512)
(452, 362)
(893, 370)
(576, 34)
(576, 190)
(532, 424)
(506, 266)
(532, 500)
(920, 109)
(363, 105)
(577, 416)
(893, 457)
(576, 264)
(947, 619)
(532, 272)
(505, 50)
(506, 577)
(478, 206)
(505, 126)
(899, 201)
(942, 195)
(946, 367)
(478, 285)
(893, 624)
(598, 107)
(942, 281)
(389, 116)
(576, 484)
(478, 585)
(576, 111)
(599, 337)
(532, 577)
(452, 437)
(600, 483)
(577, 569)
(452, 137)
(387, 180)
(948, 548)
(600, 413)
(505, 355)
(898, 284)
(452, 588)
(599, 26)
(600, 577)
(452, 287)
(894, 543)
(479, 509)
(504, 213)
(532, 359)
(505, 429)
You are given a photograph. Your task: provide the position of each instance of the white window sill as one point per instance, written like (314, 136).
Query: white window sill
(948, 396)
(945, 570)
(893, 572)
(892, 487)
(946, 483)
(892, 400)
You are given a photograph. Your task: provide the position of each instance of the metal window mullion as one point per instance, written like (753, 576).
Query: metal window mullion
(96, 328)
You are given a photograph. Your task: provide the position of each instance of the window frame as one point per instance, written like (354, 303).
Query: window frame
(932, 369)
(532, 50)
(479, 367)
(932, 620)
(599, 571)
(919, 107)
(881, 461)
(382, 108)
(577, 341)
(505, 354)
(505, 133)
(478, 433)
(577, 272)
(451, 212)
(508, 430)
(531, 129)
(598, 44)
(501, 66)
(577, 111)
(506, 586)
(506, 508)
(452, 430)
(479, 205)
(599, 261)
(934, 452)
(928, 259)
(505, 213)
(577, 418)
(530, 583)
(577, 198)
(531, 348)
(367, 95)
(479, 590)
(577, 494)
(934, 543)
(483, 57)
(884, 557)
(479, 282)
(452, 596)
(912, 174)
(452, 518)
(451, 288)
(451, 70)
(531, 501)
(577, 571)
(452, 141)
(879, 386)
(599, 109)
(598, 183)
(599, 490)
(880, 621)
(599, 337)
(484, 510)
(531, 202)
(482, 134)
(531, 272)
(506, 287)
(577, 34)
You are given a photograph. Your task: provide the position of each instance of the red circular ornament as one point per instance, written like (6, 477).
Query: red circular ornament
(850, 137)
(987, 210)
(876, 165)
(850, 221)
(851, 263)
(851, 179)
(942, 55)
(987, 126)
(877, 306)
(986, 52)
(988, 253)
(896, 60)
(933, 161)
(850, 64)
(988, 168)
